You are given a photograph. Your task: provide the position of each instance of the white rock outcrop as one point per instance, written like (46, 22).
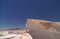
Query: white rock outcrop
(43, 29)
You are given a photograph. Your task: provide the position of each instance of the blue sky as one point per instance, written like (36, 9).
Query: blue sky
(13, 13)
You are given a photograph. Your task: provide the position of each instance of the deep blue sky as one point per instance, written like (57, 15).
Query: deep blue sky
(13, 13)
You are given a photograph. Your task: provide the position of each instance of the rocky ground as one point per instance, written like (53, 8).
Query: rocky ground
(13, 35)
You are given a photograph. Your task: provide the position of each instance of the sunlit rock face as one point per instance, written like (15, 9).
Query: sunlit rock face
(42, 29)
(39, 24)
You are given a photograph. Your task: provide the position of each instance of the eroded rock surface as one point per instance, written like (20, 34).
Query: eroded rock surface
(14, 34)
(42, 29)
